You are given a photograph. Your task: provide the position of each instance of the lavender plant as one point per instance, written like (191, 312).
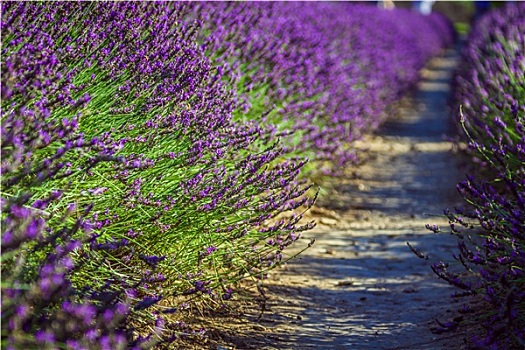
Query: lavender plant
(46, 234)
(489, 96)
(191, 186)
(141, 152)
(327, 72)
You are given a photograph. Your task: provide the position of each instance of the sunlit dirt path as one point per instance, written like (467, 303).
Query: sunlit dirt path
(359, 286)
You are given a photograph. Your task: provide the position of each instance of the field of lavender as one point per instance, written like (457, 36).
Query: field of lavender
(489, 99)
(155, 155)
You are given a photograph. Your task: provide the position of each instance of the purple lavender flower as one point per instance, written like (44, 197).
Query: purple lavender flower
(162, 124)
(488, 94)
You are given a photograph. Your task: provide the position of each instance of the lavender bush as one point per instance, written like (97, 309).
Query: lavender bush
(141, 152)
(489, 97)
(46, 235)
(170, 180)
(323, 73)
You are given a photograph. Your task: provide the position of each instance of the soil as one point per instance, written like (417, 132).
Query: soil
(360, 286)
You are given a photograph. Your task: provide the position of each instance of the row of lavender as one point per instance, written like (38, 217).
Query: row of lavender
(151, 153)
(490, 104)
(328, 73)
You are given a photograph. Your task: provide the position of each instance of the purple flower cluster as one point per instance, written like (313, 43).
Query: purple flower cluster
(490, 105)
(141, 152)
(325, 73)
(48, 242)
(117, 133)
(44, 244)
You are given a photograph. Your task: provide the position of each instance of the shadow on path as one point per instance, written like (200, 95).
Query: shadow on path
(359, 286)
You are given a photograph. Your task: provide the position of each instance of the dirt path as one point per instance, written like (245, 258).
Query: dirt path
(359, 286)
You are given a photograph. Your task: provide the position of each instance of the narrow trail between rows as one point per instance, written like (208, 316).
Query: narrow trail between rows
(359, 286)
